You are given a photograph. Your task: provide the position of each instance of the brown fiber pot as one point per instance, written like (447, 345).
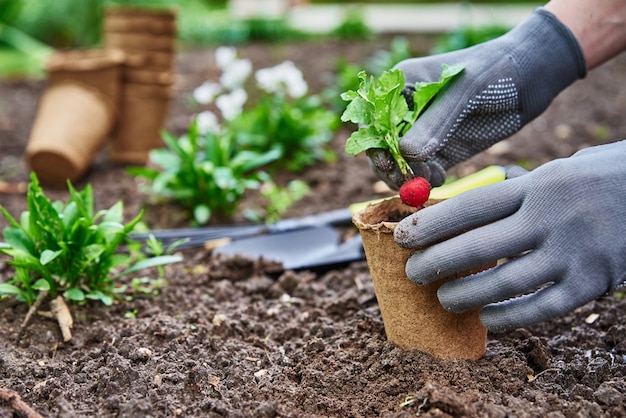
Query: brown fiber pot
(412, 315)
(130, 19)
(143, 41)
(145, 109)
(76, 114)
(147, 36)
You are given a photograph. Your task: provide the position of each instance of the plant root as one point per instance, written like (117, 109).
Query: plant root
(42, 296)
(16, 402)
(63, 316)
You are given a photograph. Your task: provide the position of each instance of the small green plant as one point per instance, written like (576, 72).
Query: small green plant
(279, 200)
(353, 25)
(69, 249)
(298, 129)
(279, 114)
(381, 109)
(206, 174)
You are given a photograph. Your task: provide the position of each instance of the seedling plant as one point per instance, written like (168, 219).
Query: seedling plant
(68, 251)
(204, 173)
(275, 111)
(380, 108)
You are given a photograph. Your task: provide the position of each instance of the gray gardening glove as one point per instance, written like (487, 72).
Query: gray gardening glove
(506, 83)
(561, 227)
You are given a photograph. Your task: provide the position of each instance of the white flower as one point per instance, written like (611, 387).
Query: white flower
(224, 56)
(206, 92)
(207, 122)
(284, 77)
(236, 73)
(231, 104)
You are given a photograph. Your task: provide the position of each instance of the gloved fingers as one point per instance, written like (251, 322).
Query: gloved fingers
(471, 250)
(437, 173)
(546, 303)
(461, 213)
(514, 171)
(510, 279)
(430, 170)
(384, 166)
(386, 169)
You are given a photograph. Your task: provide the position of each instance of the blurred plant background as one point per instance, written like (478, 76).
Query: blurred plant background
(269, 113)
(29, 29)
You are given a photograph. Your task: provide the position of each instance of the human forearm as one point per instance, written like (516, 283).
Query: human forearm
(599, 26)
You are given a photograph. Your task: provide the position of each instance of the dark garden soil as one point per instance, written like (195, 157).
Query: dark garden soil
(221, 339)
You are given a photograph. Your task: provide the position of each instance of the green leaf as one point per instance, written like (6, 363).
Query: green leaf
(70, 214)
(380, 108)
(202, 214)
(92, 252)
(24, 259)
(8, 217)
(365, 138)
(18, 239)
(115, 213)
(146, 172)
(99, 295)
(109, 229)
(48, 255)
(9, 289)
(425, 92)
(74, 294)
(41, 284)
(152, 262)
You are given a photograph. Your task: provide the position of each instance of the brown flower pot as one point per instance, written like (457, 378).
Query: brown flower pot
(150, 60)
(129, 19)
(98, 69)
(412, 315)
(148, 39)
(147, 36)
(144, 113)
(76, 114)
(143, 41)
(144, 76)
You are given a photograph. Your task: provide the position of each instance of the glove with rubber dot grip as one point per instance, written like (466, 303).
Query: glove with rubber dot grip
(506, 83)
(559, 232)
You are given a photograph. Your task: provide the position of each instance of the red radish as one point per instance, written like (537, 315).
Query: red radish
(415, 192)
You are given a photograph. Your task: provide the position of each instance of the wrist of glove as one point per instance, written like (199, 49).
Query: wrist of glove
(561, 229)
(506, 83)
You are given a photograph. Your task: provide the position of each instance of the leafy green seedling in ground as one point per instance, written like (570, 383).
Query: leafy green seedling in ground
(381, 110)
(69, 250)
(206, 174)
(279, 200)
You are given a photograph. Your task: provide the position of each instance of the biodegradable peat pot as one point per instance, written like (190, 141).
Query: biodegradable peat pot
(131, 19)
(147, 36)
(72, 124)
(76, 114)
(143, 41)
(144, 112)
(150, 60)
(412, 315)
(148, 39)
(143, 76)
(96, 69)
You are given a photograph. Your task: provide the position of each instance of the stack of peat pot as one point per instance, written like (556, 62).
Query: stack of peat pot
(77, 113)
(148, 39)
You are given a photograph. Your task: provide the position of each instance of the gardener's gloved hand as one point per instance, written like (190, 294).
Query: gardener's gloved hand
(562, 228)
(506, 83)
